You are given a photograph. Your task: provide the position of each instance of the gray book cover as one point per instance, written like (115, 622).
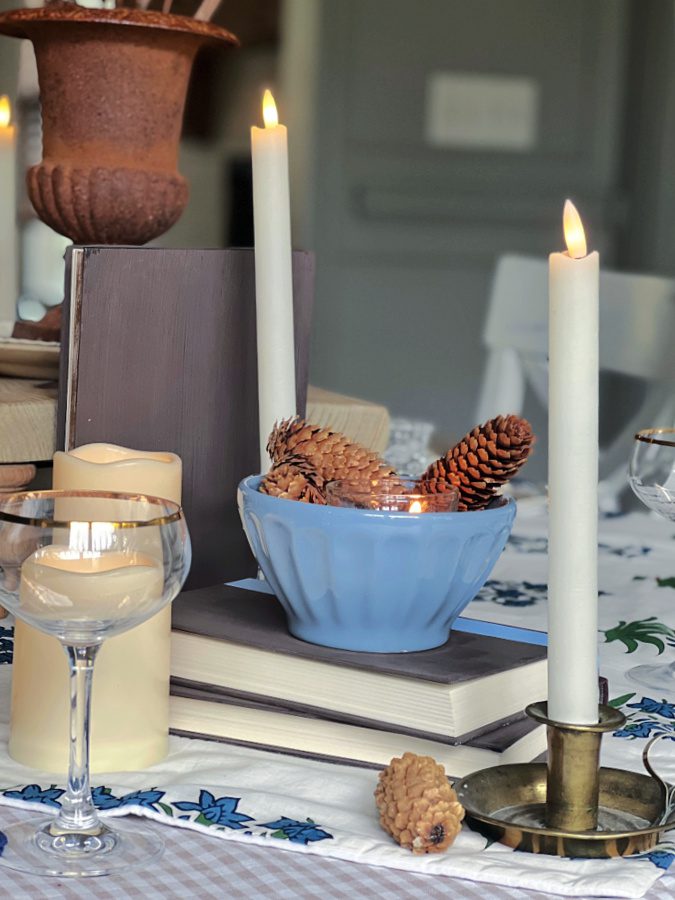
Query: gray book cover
(257, 619)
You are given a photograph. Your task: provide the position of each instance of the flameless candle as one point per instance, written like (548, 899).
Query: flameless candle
(573, 479)
(9, 289)
(130, 696)
(107, 586)
(273, 274)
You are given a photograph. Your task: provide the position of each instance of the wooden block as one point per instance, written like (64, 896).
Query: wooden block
(27, 420)
(161, 355)
(16, 478)
(360, 420)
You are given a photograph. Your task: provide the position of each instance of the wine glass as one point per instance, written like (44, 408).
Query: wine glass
(84, 566)
(651, 475)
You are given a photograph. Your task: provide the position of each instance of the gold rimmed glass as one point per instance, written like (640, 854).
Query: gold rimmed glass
(83, 566)
(652, 470)
(651, 475)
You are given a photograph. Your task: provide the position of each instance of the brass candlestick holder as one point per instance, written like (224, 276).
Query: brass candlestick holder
(570, 806)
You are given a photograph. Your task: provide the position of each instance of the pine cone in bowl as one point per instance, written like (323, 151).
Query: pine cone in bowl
(482, 462)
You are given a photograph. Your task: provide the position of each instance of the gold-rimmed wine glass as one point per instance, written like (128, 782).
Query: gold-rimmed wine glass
(84, 566)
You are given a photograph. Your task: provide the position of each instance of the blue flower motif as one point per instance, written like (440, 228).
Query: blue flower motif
(6, 645)
(643, 728)
(297, 832)
(104, 799)
(528, 544)
(628, 551)
(215, 812)
(35, 794)
(513, 593)
(142, 798)
(665, 709)
(660, 858)
(522, 544)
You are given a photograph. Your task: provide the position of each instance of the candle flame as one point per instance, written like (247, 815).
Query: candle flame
(5, 111)
(270, 115)
(415, 507)
(575, 237)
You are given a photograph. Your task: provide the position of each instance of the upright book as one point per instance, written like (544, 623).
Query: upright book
(159, 353)
(235, 641)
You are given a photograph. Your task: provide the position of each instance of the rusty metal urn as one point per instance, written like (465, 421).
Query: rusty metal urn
(112, 88)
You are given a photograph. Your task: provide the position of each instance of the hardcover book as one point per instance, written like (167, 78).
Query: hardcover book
(204, 714)
(236, 641)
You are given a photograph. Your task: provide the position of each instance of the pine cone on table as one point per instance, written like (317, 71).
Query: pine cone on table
(332, 455)
(294, 478)
(417, 805)
(484, 460)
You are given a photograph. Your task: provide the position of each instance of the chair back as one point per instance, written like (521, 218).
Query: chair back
(637, 339)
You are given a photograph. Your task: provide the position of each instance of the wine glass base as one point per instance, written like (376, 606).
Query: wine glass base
(32, 848)
(660, 678)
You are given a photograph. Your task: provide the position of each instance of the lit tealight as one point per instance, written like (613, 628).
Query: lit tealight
(415, 507)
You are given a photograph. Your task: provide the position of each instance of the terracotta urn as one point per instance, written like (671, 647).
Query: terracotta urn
(113, 84)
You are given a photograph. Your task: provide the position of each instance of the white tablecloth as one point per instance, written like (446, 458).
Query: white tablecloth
(257, 802)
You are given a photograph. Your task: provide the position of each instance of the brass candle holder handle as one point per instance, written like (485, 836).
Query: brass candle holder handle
(570, 806)
(667, 790)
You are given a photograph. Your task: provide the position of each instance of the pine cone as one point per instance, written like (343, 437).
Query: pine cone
(295, 478)
(484, 460)
(331, 454)
(417, 805)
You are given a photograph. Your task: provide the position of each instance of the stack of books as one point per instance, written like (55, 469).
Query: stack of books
(239, 676)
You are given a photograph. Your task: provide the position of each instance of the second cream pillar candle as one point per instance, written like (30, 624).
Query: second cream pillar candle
(130, 703)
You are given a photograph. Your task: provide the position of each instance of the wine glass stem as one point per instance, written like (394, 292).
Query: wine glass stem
(77, 811)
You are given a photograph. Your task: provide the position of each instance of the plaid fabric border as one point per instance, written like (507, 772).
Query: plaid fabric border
(197, 866)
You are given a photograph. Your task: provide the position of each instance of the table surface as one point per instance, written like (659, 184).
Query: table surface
(197, 865)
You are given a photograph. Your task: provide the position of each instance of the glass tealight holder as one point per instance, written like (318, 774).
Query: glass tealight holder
(391, 494)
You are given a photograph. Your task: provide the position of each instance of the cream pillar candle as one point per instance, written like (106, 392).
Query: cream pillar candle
(92, 584)
(130, 700)
(573, 479)
(273, 274)
(9, 262)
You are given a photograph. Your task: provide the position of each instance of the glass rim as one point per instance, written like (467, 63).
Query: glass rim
(646, 436)
(380, 489)
(45, 522)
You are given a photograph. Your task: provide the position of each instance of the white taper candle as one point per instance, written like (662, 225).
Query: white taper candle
(273, 274)
(9, 262)
(573, 479)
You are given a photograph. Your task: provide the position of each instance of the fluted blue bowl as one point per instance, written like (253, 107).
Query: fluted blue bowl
(379, 581)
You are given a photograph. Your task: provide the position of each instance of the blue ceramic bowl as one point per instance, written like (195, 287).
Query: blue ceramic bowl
(360, 579)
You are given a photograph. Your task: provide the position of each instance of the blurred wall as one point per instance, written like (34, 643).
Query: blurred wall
(419, 177)
(240, 79)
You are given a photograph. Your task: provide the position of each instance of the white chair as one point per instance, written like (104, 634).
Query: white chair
(637, 339)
